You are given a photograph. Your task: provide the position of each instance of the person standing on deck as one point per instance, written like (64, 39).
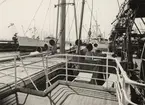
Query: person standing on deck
(53, 47)
(95, 48)
(77, 44)
(89, 51)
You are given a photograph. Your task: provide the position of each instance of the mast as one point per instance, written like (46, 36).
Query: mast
(81, 22)
(75, 15)
(57, 22)
(62, 26)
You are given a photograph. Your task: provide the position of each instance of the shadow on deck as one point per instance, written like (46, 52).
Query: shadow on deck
(73, 93)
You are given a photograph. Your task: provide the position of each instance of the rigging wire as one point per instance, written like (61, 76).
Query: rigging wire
(75, 17)
(57, 21)
(68, 21)
(45, 17)
(85, 29)
(72, 22)
(3, 2)
(34, 16)
(93, 17)
(71, 27)
(118, 4)
(89, 32)
(63, 23)
(53, 25)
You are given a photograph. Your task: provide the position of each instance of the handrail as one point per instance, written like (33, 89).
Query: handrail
(118, 95)
(121, 89)
(124, 75)
(126, 98)
(27, 74)
(127, 80)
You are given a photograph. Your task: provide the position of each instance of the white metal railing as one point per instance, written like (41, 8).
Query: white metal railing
(121, 84)
(17, 61)
(119, 88)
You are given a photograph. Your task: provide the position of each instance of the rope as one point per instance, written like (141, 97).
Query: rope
(75, 16)
(93, 17)
(57, 20)
(85, 29)
(72, 24)
(45, 17)
(34, 16)
(70, 28)
(3, 2)
(28, 74)
(69, 25)
(118, 4)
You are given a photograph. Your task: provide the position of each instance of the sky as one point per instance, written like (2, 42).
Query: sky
(21, 13)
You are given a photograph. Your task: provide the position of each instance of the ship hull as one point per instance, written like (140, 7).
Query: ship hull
(25, 44)
(6, 47)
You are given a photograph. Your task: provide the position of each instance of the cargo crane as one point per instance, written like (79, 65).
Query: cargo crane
(125, 42)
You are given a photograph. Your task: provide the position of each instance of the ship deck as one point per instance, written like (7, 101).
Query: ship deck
(74, 94)
(18, 81)
(32, 68)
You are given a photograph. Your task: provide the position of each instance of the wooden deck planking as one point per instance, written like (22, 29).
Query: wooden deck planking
(84, 100)
(95, 93)
(66, 96)
(90, 97)
(33, 100)
(70, 97)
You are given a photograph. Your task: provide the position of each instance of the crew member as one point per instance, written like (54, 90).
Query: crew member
(89, 51)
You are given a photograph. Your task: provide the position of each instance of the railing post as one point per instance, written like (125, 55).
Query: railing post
(15, 71)
(123, 98)
(107, 70)
(45, 70)
(66, 66)
(28, 73)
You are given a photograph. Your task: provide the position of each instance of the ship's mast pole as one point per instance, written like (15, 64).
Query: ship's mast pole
(81, 22)
(62, 26)
(75, 15)
(57, 22)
